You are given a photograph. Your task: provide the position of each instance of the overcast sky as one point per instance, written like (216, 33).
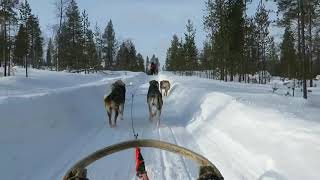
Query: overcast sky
(149, 23)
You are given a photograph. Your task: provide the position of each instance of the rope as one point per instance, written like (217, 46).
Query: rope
(133, 131)
(132, 100)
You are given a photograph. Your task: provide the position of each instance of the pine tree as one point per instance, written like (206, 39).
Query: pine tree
(313, 13)
(133, 62)
(121, 57)
(91, 50)
(250, 49)
(288, 55)
(99, 44)
(140, 62)
(317, 53)
(236, 37)
(110, 44)
(85, 28)
(147, 65)
(126, 58)
(7, 18)
(190, 49)
(21, 46)
(295, 11)
(29, 38)
(70, 39)
(262, 24)
(25, 14)
(55, 52)
(225, 24)
(216, 23)
(63, 44)
(273, 64)
(180, 62)
(36, 41)
(214, 16)
(31, 33)
(60, 6)
(49, 55)
(303, 48)
(206, 61)
(2, 47)
(172, 55)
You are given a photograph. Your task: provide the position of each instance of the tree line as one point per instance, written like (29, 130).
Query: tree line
(239, 45)
(24, 47)
(300, 19)
(183, 53)
(75, 46)
(78, 47)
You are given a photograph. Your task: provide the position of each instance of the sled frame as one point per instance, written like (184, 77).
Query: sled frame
(79, 171)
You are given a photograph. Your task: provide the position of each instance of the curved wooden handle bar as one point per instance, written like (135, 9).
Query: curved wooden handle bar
(202, 161)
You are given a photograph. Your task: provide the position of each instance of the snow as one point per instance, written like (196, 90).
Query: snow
(51, 120)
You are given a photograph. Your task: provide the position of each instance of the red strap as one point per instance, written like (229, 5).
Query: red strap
(140, 167)
(138, 162)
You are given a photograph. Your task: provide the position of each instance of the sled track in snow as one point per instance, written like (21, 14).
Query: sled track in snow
(74, 158)
(161, 158)
(166, 156)
(181, 158)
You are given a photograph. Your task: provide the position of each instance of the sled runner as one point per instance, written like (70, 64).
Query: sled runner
(208, 171)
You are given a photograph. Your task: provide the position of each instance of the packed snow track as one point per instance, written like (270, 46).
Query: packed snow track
(51, 120)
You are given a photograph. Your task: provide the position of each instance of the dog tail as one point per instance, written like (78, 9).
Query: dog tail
(105, 96)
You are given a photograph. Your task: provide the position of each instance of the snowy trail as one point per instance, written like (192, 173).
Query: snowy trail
(177, 163)
(247, 132)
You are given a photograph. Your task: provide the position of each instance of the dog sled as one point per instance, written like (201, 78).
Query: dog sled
(207, 170)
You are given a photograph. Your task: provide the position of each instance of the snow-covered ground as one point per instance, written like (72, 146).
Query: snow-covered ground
(51, 120)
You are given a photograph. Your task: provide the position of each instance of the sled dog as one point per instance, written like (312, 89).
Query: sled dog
(154, 100)
(114, 102)
(164, 85)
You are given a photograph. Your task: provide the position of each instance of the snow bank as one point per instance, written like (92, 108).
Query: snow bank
(249, 133)
(256, 140)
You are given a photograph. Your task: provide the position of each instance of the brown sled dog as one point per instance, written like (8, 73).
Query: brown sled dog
(164, 85)
(114, 102)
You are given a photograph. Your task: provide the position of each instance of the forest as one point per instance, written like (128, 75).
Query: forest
(76, 45)
(239, 45)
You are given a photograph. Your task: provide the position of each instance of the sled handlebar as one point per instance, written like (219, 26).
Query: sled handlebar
(205, 165)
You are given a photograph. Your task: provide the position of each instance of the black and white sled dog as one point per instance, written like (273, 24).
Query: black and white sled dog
(114, 102)
(154, 100)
